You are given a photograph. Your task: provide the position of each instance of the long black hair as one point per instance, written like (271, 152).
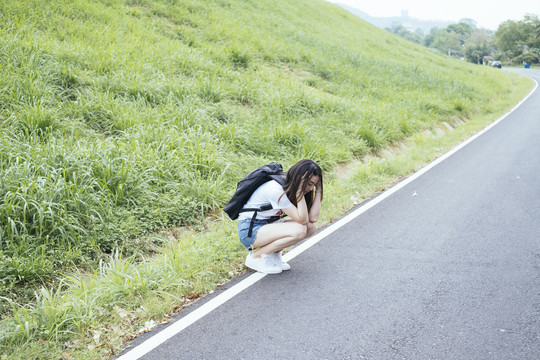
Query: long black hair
(304, 169)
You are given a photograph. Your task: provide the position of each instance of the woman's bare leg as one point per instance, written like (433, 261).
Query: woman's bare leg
(275, 237)
(311, 228)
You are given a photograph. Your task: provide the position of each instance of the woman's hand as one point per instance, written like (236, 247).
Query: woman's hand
(316, 205)
(318, 186)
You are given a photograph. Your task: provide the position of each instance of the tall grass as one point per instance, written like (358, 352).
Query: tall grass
(120, 119)
(152, 110)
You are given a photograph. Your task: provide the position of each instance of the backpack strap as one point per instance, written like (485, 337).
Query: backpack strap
(255, 211)
(280, 179)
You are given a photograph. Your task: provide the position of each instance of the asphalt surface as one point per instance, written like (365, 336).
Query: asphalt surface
(448, 267)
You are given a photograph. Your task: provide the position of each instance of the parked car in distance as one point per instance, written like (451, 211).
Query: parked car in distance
(496, 64)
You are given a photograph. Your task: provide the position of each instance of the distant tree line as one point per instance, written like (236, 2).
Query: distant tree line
(514, 42)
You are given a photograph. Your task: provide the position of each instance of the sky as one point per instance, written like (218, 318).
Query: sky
(488, 14)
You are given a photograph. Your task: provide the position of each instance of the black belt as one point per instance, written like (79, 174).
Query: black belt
(255, 211)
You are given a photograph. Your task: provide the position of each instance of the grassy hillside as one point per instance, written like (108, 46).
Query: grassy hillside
(122, 118)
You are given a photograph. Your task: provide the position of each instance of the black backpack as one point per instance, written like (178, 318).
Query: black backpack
(247, 185)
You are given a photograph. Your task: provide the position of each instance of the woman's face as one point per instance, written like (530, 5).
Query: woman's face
(313, 180)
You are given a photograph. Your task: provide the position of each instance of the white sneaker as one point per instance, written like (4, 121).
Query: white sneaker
(263, 264)
(278, 260)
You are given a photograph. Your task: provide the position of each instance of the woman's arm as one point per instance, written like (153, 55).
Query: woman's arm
(315, 208)
(299, 213)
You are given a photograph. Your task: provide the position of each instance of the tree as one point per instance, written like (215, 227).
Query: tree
(461, 31)
(534, 22)
(479, 45)
(446, 40)
(511, 36)
(420, 32)
(528, 58)
(430, 38)
(468, 21)
(401, 31)
(461, 28)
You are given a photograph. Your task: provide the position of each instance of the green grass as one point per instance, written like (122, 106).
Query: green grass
(123, 122)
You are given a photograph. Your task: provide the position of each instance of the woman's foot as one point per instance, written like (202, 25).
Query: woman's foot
(264, 264)
(278, 260)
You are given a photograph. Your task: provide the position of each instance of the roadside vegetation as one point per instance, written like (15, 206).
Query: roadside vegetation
(515, 43)
(125, 125)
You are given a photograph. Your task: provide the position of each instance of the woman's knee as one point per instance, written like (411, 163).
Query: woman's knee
(300, 232)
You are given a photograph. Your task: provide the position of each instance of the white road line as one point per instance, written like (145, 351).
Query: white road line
(181, 324)
(176, 327)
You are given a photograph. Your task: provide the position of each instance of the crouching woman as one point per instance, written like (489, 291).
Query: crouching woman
(300, 199)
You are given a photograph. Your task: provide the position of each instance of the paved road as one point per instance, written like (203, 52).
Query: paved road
(452, 272)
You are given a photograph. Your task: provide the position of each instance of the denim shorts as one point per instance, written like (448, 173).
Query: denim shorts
(243, 230)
